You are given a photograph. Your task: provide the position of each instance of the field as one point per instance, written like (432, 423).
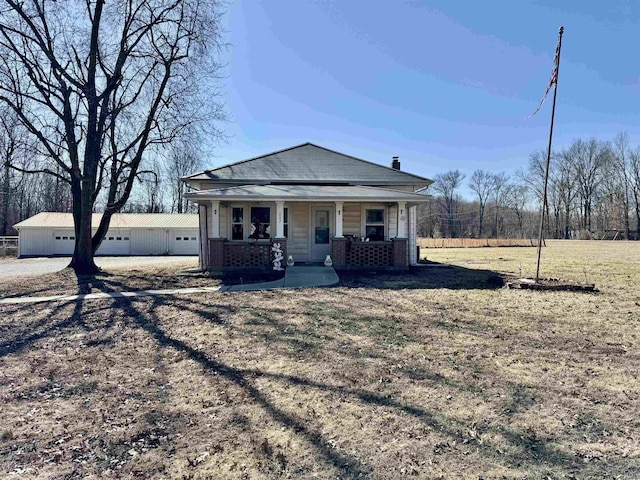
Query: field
(439, 373)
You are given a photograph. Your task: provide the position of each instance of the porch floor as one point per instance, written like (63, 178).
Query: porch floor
(294, 277)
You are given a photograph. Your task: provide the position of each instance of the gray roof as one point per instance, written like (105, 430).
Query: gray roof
(308, 163)
(118, 220)
(302, 193)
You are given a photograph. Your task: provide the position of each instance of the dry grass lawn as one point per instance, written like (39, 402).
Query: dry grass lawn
(434, 374)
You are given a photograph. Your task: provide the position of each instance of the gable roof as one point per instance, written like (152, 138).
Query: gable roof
(118, 220)
(308, 163)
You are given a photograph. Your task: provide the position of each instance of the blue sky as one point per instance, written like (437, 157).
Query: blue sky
(442, 84)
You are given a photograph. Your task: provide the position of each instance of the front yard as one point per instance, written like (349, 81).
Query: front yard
(435, 374)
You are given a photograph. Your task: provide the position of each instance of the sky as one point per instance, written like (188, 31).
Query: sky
(442, 84)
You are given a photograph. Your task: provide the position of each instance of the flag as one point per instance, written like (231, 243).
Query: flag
(553, 80)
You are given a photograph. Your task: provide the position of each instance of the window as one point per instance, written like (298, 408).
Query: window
(260, 223)
(126, 238)
(72, 238)
(237, 220)
(65, 238)
(185, 238)
(286, 223)
(178, 238)
(110, 238)
(193, 239)
(57, 238)
(374, 226)
(118, 238)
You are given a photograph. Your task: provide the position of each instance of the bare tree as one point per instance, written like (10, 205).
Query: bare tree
(183, 160)
(482, 184)
(590, 159)
(98, 85)
(634, 170)
(500, 181)
(620, 167)
(446, 184)
(564, 183)
(517, 198)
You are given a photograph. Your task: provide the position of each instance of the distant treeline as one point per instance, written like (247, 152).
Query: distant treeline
(593, 192)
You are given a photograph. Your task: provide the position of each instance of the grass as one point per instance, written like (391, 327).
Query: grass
(433, 374)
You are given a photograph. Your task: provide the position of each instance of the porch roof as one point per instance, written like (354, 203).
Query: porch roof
(307, 193)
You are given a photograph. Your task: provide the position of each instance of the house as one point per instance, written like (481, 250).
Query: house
(52, 233)
(311, 202)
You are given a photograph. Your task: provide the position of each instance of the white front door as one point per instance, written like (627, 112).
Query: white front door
(321, 233)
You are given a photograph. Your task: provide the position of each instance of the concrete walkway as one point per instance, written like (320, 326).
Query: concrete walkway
(295, 277)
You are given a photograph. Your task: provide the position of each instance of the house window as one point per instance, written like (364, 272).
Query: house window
(286, 223)
(260, 223)
(374, 226)
(237, 219)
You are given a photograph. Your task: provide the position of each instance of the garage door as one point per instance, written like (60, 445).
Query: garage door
(63, 242)
(115, 243)
(183, 242)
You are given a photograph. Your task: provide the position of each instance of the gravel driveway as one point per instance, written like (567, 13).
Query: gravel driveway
(11, 267)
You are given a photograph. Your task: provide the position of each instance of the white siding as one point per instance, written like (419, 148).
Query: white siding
(351, 219)
(392, 221)
(298, 241)
(413, 254)
(36, 241)
(224, 222)
(149, 242)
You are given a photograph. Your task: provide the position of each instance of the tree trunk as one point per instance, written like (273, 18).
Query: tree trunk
(82, 261)
(5, 200)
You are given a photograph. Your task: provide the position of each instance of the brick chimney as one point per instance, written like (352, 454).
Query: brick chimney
(395, 163)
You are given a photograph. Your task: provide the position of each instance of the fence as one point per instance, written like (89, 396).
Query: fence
(475, 242)
(8, 246)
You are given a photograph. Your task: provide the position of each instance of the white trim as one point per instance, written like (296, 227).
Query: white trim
(363, 218)
(215, 219)
(280, 220)
(246, 219)
(339, 211)
(401, 228)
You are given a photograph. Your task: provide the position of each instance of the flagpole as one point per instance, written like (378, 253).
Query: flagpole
(546, 173)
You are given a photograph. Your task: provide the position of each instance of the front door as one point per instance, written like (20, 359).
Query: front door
(320, 233)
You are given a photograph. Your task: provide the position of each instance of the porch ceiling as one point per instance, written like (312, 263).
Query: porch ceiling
(307, 193)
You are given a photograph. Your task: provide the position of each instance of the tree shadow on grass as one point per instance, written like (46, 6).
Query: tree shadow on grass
(425, 277)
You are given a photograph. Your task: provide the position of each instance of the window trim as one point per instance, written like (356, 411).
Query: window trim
(384, 224)
(246, 221)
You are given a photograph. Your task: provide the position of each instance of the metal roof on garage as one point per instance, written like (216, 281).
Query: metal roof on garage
(118, 220)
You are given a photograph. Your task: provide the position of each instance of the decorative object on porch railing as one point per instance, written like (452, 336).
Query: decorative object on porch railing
(277, 257)
(290, 261)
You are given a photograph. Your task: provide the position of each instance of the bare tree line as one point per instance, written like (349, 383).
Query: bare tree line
(593, 192)
(98, 89)
(24, 194)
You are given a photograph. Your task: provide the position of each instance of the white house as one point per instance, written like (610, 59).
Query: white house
(312, 202)
(52, 233)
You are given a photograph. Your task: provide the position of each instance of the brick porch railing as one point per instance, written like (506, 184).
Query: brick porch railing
(237, 256)
(349, 255)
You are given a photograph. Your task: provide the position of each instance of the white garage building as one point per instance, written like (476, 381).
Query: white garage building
(52, 233)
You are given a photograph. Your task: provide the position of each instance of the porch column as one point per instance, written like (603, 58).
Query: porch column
(215, 219)
(339, 212)
(402, 220)
(279, 219)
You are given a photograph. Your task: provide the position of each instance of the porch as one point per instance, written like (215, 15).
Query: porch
(360, 228)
